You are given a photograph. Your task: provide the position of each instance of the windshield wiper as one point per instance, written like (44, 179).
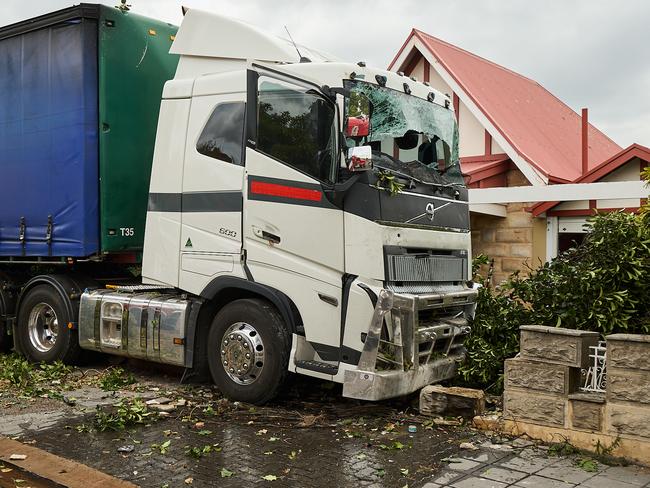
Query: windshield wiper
(413, 178)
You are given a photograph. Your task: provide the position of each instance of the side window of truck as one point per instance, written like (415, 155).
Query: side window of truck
(223, 135)
(297, 126)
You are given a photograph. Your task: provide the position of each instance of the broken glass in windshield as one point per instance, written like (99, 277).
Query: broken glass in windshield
(424, 135)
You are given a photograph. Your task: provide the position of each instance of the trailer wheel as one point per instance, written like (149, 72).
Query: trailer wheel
(43, 327)
(248, 351)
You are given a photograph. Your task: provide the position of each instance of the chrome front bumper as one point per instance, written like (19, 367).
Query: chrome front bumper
(410, 355)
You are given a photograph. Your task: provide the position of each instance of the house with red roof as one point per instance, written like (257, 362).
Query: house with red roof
(515, 133)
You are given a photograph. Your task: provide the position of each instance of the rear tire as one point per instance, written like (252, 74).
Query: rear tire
(43, 327)
(248, 351)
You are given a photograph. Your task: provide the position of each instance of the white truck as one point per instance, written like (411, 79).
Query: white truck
(304, 215)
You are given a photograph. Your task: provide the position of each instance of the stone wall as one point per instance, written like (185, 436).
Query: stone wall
(510, 240)
(543, 397)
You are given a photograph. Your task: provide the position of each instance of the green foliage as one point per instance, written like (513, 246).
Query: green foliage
(197, 452)
(495, 334)
(115, 378)
(127, 413)
(388, 181)
(602, 285)
(587, 464)
(562, 449)
(32, 379)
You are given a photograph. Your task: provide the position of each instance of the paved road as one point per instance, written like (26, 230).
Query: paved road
(310, 438)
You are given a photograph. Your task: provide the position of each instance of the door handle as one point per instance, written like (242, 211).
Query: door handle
(267, 236)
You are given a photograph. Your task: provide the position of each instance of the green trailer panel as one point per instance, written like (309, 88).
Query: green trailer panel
(134, 64)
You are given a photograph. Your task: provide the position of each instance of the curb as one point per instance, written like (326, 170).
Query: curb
(57, 469)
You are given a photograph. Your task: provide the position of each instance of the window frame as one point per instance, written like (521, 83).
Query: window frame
(251, 122)
(243, 138)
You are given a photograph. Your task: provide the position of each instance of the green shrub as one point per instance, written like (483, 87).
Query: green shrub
(602, 285)
(115, 378)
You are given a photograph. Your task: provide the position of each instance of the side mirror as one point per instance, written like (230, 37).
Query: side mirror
(359, 158)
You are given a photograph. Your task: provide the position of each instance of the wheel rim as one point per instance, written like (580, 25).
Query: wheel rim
(43, 326)
(242, 353)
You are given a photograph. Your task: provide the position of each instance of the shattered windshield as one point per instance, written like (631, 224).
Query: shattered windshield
(407, 134)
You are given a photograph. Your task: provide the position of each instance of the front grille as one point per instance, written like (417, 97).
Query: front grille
(423, 267)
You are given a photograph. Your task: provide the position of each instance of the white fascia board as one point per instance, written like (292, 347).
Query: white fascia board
(532, 175)
(404, 53)
(560, 193)
(494, 209)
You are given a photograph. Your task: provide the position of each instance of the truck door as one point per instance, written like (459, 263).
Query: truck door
(293, 234)
(213, 176)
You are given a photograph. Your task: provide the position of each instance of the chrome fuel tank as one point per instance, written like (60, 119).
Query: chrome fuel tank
(151, 325)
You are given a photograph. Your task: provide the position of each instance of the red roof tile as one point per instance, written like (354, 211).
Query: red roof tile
(542, 129)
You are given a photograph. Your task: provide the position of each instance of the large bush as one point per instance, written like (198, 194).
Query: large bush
(602, 285)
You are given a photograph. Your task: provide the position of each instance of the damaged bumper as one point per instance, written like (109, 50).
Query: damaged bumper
(413, 341)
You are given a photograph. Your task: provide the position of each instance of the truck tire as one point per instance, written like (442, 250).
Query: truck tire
(248, 350)
(43, 327)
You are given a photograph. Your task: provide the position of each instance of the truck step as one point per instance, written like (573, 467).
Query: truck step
(318, 366)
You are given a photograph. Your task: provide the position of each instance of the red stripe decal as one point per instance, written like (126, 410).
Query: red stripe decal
(275, 190)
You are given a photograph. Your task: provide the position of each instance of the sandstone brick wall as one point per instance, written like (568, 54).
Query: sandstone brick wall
(509, 241)
(542, 386)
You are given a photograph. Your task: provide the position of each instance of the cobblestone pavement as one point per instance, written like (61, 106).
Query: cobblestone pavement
(311, 437)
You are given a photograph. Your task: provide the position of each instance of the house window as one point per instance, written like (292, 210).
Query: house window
(567, 240)
(564, 233)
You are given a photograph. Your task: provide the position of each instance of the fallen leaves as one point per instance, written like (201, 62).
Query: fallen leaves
(270, 477)
(395, 445)
(469, 446)
(226, 473)
(309, 420)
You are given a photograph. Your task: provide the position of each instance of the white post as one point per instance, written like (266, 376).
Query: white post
(552, 227)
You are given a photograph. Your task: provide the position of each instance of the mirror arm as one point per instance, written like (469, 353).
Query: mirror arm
(346, 185)
(331, 92)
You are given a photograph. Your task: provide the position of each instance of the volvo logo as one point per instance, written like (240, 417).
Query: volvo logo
(429, 211)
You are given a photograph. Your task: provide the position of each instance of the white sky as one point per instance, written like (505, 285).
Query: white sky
(592, 53)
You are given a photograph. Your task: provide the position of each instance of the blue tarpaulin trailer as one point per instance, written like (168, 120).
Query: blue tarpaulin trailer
(80, 92)
(48, 141)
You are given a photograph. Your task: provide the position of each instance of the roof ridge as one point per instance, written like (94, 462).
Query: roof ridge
(465, 51)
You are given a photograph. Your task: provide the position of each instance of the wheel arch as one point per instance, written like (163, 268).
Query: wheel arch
(223, 290)
(68, 287)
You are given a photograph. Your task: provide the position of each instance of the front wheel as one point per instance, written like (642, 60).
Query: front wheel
(43, 327)
(248, 350)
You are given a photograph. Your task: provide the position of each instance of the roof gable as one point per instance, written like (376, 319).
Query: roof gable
(539, 127)
(603, 169)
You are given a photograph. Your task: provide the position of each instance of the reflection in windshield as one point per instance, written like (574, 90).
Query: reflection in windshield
(424, 133)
